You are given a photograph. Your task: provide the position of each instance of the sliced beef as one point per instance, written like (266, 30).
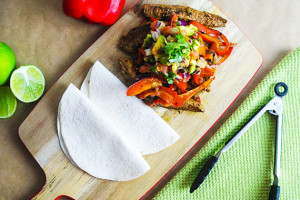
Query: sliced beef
(165, 12)
(135, 38)
(128, 70)
(190, 105)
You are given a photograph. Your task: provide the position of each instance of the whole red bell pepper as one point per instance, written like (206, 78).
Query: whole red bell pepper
(105, 12)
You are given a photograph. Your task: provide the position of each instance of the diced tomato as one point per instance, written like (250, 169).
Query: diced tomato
(142, 85)
(166, 30)
(144, 68)
(194, 55)
(162, 68)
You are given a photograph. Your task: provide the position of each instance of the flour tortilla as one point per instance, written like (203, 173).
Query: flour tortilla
(140, 124)
(94, 143)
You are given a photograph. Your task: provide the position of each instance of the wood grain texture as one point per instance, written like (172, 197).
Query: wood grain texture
(39, 134)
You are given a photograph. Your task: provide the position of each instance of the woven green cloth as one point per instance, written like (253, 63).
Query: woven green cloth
(245, 171)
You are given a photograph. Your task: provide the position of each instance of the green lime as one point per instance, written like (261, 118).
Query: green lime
(8, 103)
(27, 83)
(7, 62)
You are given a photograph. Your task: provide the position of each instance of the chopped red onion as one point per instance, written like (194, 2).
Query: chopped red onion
(182, 22)
(147, 52)
(177, 77)
(152, 46)
(158, 23)
(186, 75)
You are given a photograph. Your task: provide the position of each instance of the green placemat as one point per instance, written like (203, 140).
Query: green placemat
(245, 171)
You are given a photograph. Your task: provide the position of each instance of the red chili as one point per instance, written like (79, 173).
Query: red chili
(105, 12)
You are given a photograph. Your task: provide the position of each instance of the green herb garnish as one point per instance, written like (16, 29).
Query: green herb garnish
(177, 51)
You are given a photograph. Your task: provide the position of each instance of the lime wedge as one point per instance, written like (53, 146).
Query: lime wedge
(27, 83)
(8, 103)
(7, 62)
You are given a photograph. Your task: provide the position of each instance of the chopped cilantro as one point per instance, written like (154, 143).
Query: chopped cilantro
(177, 51)
(152, 69)
(170, 78)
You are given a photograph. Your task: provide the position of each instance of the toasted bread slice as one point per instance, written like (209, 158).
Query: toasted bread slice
(165, 12)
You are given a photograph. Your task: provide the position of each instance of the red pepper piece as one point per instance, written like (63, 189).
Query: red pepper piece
(217, 48)
(168, 95)
(189, 94)
(105, 12)
(198, 79)
(142, 85)
(153, 19)
(207, 71)
(159, 102)
(204, 29)
(173, 21)
(209, 38)
(226, 55)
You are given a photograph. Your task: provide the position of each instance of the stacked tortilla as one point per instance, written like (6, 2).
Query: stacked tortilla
(104, 132)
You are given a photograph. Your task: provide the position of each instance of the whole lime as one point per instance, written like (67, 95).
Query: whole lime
(7, 62)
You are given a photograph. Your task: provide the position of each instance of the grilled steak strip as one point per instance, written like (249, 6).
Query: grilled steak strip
(128, 70)
(135, 38)
(165, 12)
(190, 105)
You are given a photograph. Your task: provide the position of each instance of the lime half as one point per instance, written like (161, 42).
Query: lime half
(27, 83)
(8, 103)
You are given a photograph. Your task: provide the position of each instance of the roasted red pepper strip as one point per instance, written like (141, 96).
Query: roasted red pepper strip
(189, 94)
(207, 71)
(159, 102)
(217, 48)
(181, 85)
(204, 29)
(105, 12)
(226, 55)
(198, 79)
(153, 19)
(142, 85)
(209, 38)
(173, 21)
(168, 95)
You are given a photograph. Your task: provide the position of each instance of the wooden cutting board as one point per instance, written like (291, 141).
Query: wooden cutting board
(39, 134)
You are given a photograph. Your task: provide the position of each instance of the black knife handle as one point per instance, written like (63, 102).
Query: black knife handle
(203, 173)
(274, 192)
